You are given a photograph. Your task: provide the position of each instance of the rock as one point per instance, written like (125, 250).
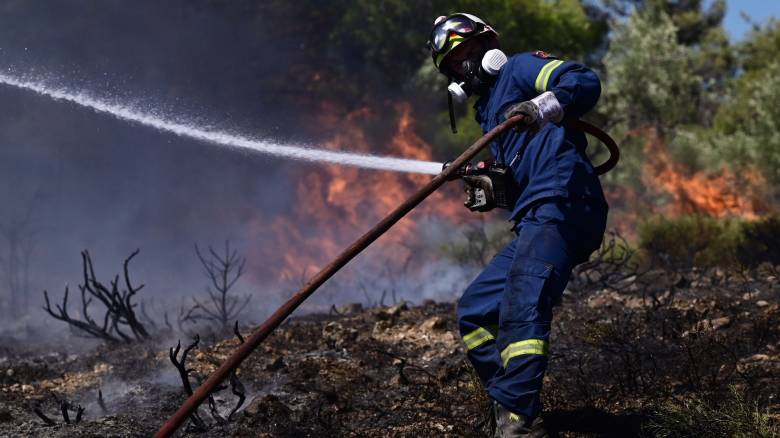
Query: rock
(398, 380)
(706, 325)
(600, 299)
(332, 329)
(335, 334)
(758, 358)
(268, 407)
(762, 303)
(434, 323)
(276, 364)
(395, 310)
(380, 326)
(712, 324)
(9, 372)
(350, 308)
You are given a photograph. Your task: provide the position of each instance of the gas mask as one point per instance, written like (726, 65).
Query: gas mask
(477, 79)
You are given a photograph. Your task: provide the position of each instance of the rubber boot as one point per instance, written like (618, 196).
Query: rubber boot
(511, 425)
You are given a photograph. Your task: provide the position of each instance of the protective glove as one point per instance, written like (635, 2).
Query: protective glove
(529, 111)
(537, 112)
(479, 193)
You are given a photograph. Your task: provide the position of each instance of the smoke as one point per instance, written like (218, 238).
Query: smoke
(73, 179)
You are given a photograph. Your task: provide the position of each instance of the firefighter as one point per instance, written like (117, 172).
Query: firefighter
(559, 208)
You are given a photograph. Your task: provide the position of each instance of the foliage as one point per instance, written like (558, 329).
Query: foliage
(747, 127)
(698, 241)
(649, 80)
(760, 242)
(563, 27)
(689, 241)
(696, 416)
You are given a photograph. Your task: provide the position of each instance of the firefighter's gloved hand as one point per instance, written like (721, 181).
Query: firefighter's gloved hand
(528, 110)
(537, 112)
(479, 193)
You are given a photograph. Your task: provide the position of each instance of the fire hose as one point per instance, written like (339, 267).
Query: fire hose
(263, 331)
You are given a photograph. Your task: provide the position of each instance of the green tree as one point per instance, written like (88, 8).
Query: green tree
(747, 125)
(649, 80)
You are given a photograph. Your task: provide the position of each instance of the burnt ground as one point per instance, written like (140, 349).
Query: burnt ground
(661, 354)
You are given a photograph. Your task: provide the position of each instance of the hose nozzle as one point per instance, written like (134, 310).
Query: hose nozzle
(458, 174)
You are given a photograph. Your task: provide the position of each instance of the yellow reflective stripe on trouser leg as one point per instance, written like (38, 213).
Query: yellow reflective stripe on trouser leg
(529, 346)
(544, 75)
(477, 338)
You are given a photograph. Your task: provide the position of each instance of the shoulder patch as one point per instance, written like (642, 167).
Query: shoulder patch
(544, 55)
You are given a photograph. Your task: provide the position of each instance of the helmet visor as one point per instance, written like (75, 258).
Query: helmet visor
(457, 24)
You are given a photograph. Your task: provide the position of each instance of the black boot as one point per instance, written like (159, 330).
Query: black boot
(511, 425)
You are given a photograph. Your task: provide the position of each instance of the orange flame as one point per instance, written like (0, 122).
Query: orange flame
(718, 194)
(336, 204)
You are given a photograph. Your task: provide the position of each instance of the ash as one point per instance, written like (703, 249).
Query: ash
(626, 355)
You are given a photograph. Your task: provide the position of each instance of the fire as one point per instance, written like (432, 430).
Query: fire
(336, 204)
(718, 194)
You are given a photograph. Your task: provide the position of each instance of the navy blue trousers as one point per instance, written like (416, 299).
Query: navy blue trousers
(506, 313)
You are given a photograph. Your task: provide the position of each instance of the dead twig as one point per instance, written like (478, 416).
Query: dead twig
(220, 306)
(236, 387)
(119, 314)
(102, 402)
(42, 416)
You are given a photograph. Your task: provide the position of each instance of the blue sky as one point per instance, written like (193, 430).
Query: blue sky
(759, 10)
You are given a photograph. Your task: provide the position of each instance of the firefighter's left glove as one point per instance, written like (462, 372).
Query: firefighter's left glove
(528, 110)
(536, 112)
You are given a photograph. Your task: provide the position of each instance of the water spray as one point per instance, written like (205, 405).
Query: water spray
(221, 138)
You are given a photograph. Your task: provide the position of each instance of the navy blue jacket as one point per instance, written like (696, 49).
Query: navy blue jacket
(552, 161)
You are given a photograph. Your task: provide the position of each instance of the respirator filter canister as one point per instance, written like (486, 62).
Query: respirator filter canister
(491, 65)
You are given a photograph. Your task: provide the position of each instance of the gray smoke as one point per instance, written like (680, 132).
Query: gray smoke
(73, 179)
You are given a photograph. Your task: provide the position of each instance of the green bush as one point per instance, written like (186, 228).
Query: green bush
(760, 242)
(699, 241)
(734, 417)
(690, 241)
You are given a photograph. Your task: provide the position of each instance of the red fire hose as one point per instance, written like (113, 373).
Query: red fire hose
(262, 332)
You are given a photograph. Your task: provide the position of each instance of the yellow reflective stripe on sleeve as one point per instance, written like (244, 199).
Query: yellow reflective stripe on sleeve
(544, 75)
(477, 338)
(529, 346)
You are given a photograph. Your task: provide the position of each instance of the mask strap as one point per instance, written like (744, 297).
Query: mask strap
(452, 110)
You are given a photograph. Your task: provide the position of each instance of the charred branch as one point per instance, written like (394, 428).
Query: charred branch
(48, 421)
(181, 363)
(119, 322)
(64, 410)
(238, 333)
(236, 387)
(101, 402)
(220, 306)
(184, 375)
(65, 407)
(612, 266)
